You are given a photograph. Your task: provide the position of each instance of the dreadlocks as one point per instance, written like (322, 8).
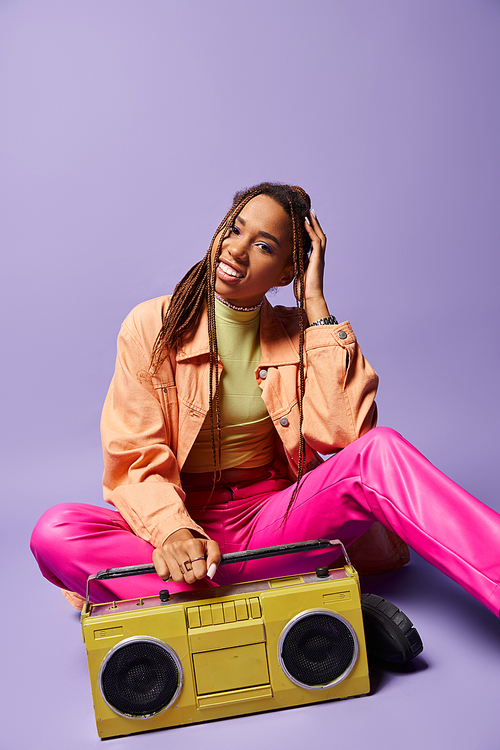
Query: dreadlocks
(198, 286)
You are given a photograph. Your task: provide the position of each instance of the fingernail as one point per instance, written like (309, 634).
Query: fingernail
(313, 212)
(308, 221)
(211, 571)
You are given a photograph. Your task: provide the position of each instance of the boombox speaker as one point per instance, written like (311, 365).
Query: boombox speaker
(195, 656)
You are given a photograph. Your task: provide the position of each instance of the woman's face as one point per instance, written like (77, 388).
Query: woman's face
(257, 254)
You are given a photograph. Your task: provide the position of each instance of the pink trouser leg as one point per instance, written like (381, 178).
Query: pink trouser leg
(73, 541)
(381, 476)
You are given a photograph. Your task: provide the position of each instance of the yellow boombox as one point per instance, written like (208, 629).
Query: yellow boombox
(170, 660)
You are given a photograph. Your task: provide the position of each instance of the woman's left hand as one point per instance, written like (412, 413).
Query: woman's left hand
(314, 300)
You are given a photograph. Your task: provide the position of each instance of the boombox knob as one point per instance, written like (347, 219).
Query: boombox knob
(164, 595)
(322, 571)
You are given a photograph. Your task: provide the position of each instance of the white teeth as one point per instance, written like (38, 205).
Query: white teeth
(230, 271)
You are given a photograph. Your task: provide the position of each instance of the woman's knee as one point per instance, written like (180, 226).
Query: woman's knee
(53, 527)
(383, 436)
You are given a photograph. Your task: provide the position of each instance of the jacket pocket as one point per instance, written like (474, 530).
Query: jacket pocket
(167, 396)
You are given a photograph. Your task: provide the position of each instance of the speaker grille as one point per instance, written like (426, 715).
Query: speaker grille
(318, 649)
(140, 677)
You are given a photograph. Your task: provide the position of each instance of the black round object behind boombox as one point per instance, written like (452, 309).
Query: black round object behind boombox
(140, 677)
(317, 649)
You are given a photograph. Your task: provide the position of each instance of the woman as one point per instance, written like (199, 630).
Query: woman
(213, 426)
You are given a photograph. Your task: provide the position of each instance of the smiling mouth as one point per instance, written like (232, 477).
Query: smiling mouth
(229, 271)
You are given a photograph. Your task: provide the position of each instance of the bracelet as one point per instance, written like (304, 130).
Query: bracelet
(330, 321)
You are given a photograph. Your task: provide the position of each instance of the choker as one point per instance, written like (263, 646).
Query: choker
(239, 309)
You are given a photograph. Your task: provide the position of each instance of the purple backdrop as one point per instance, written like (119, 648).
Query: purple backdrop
(126, 128)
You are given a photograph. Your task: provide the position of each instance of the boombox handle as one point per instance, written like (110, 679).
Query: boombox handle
(230, 557)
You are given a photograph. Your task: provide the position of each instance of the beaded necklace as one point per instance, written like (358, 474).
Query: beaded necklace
(234, 307)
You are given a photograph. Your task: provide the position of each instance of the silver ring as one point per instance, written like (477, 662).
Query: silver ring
(198, 558)
(186, 563)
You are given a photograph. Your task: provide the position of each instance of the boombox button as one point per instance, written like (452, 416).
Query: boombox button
(193, 615)
(206, 615)
(229, 612)
(240, 606)
(164, 595)
(255, 607)
(322, 572)
(217, 613)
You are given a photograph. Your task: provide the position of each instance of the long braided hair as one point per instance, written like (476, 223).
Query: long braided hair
(197, 288)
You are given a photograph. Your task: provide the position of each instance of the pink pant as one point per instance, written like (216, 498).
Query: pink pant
(378, 477)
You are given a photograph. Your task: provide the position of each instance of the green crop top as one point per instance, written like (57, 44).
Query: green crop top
(247, 429)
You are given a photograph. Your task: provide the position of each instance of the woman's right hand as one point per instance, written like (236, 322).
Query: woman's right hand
(201, 555)
(314, 300)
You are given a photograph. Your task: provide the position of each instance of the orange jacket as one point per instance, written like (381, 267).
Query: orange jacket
(150, 422)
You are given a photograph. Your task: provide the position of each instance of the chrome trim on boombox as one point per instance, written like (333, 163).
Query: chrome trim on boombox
(289, 626)
(141, 639)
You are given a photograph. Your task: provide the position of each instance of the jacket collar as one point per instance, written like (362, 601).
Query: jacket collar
(277, 348)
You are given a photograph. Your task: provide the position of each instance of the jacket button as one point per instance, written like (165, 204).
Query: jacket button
(284, 422)
(263, 374)
(342, 335)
